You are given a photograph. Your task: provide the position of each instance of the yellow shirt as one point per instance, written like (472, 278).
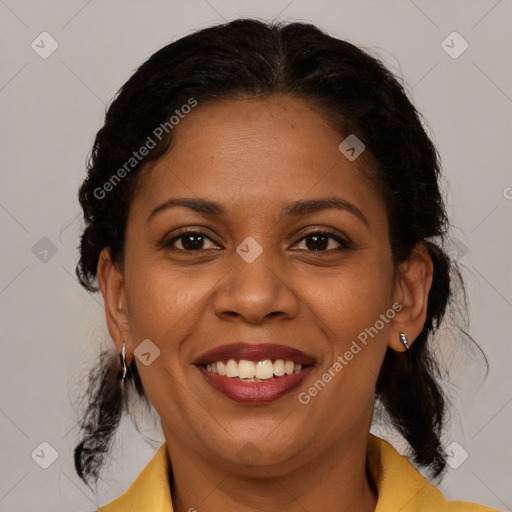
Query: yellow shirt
(401, 487)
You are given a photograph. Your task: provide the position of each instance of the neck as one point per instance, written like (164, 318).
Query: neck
(336, 479)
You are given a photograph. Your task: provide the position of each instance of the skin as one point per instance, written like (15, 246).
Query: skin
(255, 157)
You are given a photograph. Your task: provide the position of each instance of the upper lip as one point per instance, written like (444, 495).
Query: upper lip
(254, 352)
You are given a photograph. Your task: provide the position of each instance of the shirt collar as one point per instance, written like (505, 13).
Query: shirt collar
(401, 487)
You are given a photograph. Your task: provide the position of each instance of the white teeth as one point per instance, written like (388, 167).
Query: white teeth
(231, 368)
(279, 370)
(246, 369)
(289, 366)
(251, 371)
(264, 369)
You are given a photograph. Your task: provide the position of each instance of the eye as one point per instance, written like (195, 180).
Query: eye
(318, 241)
(190, 241)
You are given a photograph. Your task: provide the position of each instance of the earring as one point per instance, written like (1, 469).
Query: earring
(404, 341)
(123, 360)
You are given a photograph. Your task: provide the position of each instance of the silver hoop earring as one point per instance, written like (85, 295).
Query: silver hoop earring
(404, 341)
(123, 361)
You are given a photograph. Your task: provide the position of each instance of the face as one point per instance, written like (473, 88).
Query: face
(323, 277)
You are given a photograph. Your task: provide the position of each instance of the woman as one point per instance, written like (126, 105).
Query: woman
(265, 224)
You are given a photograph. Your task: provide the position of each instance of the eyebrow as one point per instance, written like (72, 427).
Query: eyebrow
(294, 209)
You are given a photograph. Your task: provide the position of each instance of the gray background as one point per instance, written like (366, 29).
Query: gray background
(51, 109)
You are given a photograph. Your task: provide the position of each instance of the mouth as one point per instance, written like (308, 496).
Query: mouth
(254, 373)
(254, 352)
(243, 370)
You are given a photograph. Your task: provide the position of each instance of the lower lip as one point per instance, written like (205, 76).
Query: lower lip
(255, 392)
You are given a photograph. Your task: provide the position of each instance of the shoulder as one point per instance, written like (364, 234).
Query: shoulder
(402, 487)
(149, 491)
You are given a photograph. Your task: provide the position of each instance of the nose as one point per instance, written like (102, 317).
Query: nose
(257, 290)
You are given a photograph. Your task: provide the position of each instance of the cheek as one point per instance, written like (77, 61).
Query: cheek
(354, 314)
(163, 299)
(352, 298)
(164, 307)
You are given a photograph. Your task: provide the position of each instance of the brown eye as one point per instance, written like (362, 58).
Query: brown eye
(319, 241)
(190, 241)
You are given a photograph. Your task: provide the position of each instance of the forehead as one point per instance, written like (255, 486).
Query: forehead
(269, 151)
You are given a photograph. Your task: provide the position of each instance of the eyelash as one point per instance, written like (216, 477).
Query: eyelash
(344, 243)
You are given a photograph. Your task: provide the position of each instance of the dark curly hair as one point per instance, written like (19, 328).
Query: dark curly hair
(359, 95)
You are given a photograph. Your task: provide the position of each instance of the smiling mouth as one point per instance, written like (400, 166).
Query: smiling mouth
(243, 370)
(252, 390)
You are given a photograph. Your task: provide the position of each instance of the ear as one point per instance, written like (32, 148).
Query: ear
(111, 282)
(411, 289)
